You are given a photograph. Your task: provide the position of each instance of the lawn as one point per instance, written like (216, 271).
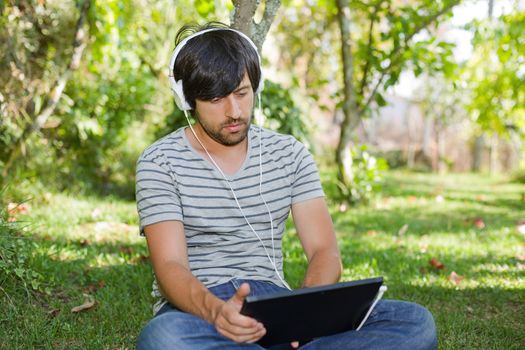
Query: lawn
(451, 243)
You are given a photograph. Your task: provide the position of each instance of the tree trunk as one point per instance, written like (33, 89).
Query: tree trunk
(351, 117)
(477, 154)
(494, 154)
(79, 44)
(242, 15)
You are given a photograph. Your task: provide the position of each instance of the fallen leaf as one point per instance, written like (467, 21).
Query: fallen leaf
(53, 312)
(371, 233)
(435, 263)
(520, 258)
(139, 259)
(479, 223)
(455, 278)
(18, 208)
(92, 288)
(423, 247)
(470, 309)
(88, 304)
(126, 250)
(15, 209)
(403, 230)
(412, 199)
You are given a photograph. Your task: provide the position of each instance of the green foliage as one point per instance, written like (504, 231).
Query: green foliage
(388, 37)
(111, 103)
(519, 176)
(495, 74)
(365, 175)
(281, 112)
(16, 253)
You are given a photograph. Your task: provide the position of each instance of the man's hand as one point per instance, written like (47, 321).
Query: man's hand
(230, 323)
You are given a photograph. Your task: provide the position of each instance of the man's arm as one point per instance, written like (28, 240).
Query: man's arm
(169, 257)
(316, 233)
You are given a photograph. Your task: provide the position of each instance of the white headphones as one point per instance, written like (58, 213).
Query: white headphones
(176, 85)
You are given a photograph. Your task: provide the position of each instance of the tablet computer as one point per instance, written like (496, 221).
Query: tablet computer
(307, 313)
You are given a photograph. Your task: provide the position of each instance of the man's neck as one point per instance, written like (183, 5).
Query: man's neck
(229, 157)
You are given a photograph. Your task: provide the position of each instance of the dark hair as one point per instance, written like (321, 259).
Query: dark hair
(213, 64)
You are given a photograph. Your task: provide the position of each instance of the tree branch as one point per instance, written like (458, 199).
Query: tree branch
(242, 19)
(262, 28)
(395, 56)
(243, 12)
(369, 49)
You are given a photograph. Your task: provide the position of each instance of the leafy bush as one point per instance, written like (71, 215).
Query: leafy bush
(519, 176)
(16, 252)
(366, 176)
(282, 113)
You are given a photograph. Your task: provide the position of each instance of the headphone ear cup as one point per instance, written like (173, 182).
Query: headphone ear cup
(178, 93)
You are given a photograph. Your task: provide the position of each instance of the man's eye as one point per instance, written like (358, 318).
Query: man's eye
(215, 100)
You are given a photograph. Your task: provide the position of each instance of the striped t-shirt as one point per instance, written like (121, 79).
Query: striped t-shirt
(175, 182)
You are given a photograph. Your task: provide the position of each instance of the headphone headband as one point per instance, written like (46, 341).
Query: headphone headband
(176, 85)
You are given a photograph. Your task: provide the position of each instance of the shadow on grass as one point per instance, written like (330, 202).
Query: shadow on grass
(423, 221)
(116, 276)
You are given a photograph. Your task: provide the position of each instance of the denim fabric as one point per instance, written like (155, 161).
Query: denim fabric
(392, 325)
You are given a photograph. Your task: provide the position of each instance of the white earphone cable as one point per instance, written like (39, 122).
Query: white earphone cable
(272, 261)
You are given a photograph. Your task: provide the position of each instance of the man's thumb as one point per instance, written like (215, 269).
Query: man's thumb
(242, 292)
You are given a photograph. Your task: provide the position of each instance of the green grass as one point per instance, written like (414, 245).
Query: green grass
(88, 248)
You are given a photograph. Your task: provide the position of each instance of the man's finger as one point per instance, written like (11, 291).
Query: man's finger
(243, 338)
(242, 292)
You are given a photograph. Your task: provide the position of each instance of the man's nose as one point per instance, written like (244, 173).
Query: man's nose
(233, 109)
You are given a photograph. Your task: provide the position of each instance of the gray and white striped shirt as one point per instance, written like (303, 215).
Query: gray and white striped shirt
(175, 182)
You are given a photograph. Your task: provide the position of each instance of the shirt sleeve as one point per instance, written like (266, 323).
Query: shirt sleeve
(306, 183)
(156, 191)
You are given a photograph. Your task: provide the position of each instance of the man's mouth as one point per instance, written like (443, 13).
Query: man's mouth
(234, 127)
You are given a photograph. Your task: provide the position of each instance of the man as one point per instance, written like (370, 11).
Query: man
(213, 199)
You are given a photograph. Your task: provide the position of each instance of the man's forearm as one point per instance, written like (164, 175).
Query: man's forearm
(323, 268)
(187, 293)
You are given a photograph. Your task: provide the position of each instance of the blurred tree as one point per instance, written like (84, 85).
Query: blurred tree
(85, 83)
(388, 48)
(496, 77)
(443, 104)
(378, 40)
(31, 91)
(69, 118)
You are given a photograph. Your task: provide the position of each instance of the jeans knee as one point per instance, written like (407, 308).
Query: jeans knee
(425, 326)
(156, 335)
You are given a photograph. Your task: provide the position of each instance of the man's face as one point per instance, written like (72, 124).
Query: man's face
(227, 120)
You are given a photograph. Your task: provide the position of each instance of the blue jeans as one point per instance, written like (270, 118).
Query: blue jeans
(392, 325)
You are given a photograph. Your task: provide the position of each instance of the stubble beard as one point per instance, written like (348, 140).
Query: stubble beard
(223, 137)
